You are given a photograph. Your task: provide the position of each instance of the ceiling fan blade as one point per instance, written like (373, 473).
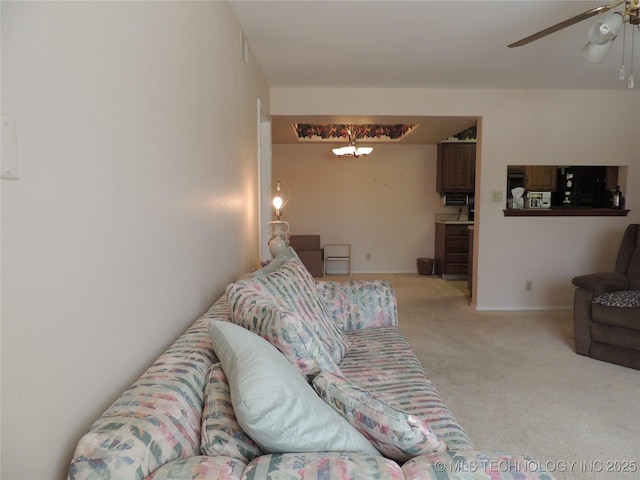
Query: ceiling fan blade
(559, 26)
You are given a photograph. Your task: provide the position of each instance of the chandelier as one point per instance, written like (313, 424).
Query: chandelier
(352, 149)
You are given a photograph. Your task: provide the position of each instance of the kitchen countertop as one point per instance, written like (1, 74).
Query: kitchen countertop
(566, 212)
(453, 219)
(455, 222)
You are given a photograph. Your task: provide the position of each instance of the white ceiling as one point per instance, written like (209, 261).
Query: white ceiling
(425, 44)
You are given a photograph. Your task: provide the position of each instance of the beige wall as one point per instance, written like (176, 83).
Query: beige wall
(518, 127)
(137, 140)
(383, 204)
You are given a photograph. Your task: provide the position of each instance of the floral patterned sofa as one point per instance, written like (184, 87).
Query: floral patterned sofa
(288, 378)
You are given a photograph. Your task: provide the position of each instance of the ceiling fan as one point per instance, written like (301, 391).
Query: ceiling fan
(601, 34)
(631, 15)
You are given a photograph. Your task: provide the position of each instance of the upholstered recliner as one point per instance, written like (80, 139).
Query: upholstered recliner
(606, 313)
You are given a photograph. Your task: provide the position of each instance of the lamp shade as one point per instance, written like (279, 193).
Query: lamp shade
(344, 151)
(606, 29)
(363, 150)
(595, 52)
(352, 150)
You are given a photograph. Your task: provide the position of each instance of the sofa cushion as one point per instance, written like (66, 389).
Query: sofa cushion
(397, 434)
(622, 299)
(273, 404)
(321, 466)
(619, 309)
(200, 468)
(294, 287)
(256, 309)
(220, 433)
(382, 361)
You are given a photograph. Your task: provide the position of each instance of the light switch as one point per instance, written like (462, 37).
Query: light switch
(496, 196)
(9, 154)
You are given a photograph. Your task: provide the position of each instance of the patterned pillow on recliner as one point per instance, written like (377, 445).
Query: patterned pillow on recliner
(621, 299)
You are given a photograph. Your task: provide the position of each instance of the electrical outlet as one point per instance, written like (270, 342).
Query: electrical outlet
(496, 196)
(528, 286)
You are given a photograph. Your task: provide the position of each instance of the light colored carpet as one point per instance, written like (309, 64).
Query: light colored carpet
(515, 383)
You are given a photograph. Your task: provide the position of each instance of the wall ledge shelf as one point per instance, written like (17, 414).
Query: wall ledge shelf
(566, 212)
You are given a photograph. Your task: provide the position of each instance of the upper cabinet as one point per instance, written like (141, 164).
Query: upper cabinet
(456, 167)
(540, 178)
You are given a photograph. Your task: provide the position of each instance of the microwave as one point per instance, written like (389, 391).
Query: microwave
(538, 200)
(455, 199)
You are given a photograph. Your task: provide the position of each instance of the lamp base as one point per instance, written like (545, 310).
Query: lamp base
(278, 242)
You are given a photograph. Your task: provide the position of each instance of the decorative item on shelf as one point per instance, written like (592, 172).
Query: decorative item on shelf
(602, 33)
(279, 229)
(617, 199)
(352, 149)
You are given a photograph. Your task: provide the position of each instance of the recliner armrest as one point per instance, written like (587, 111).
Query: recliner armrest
(602, 282)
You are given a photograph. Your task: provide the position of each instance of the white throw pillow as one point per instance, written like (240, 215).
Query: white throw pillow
(273, 403)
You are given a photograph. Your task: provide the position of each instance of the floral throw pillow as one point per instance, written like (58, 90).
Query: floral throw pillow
(395, 433)
(256, 309)
(294, 287)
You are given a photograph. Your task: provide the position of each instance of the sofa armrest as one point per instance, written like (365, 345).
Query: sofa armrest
(158, 419)
(360, 304)
(602, 282)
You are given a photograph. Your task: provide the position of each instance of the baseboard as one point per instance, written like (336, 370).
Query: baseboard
(541, 308)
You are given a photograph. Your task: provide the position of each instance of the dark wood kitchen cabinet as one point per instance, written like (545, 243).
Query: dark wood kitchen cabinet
(452, 250)
(456, 167)
(540, 178)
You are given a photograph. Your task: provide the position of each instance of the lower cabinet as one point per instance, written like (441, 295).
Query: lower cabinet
(452, 251)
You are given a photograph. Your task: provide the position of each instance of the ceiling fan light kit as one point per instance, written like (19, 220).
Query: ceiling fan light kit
(595, 52)
(602, 33)
(352, 149)
(605, 30)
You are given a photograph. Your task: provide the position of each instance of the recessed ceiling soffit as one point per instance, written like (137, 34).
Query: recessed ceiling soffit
(376, 132)
(468, 135)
